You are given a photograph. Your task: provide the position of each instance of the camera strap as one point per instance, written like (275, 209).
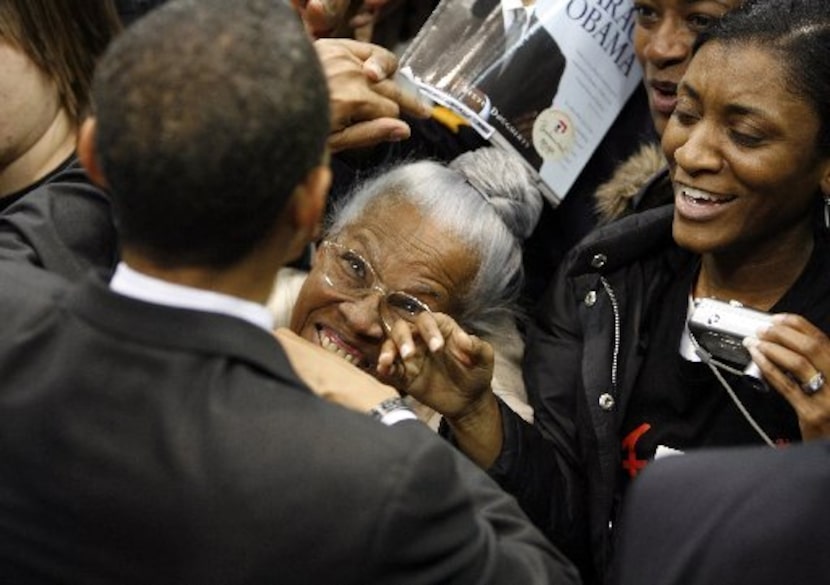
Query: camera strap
(716, 366)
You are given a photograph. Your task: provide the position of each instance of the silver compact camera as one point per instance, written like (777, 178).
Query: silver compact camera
(719, 328)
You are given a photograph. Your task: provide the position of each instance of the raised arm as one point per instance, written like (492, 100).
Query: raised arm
(365, 101)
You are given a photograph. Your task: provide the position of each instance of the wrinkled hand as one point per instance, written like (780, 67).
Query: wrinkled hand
(365, 102)
(790, 352)
(442, 366)
(331, 377)
(438, 364)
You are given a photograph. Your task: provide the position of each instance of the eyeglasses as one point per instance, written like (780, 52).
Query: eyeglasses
(351, 274)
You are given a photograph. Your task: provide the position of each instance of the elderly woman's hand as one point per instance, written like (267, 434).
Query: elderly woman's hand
(438, 363)
(791, 354)
(449, 370)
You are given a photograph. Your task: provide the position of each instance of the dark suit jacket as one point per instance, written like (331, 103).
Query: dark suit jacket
(147, 444)
(739, 516)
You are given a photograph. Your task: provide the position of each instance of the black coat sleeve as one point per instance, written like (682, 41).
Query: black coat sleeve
(541, 464)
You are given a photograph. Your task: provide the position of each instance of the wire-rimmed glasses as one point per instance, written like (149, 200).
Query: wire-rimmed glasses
(352, 275)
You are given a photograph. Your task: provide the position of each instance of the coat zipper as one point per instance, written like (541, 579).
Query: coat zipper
(616, 354)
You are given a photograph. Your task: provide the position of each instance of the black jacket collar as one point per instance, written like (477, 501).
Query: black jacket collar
(622, 242)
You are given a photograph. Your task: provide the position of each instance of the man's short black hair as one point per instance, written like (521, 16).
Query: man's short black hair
(210, 113)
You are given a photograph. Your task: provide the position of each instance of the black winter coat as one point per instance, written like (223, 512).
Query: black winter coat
(580, 365)
(583, 355)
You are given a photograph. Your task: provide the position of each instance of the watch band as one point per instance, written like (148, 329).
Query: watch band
(392, 410)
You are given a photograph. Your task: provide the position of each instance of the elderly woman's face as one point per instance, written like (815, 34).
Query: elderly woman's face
(743, 154)
(663, 37)
(349, 315)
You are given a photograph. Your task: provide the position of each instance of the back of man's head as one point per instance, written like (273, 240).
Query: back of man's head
(209, 114)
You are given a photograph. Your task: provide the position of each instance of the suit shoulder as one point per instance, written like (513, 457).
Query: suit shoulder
(23, 282)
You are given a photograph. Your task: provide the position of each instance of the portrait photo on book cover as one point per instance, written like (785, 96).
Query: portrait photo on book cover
(523, 82)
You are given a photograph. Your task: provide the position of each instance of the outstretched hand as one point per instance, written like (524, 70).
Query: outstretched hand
(451, 371)
(438, 363)
(365, 101)
(791, 353)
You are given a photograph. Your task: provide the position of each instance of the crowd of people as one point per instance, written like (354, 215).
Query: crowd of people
(265, 318)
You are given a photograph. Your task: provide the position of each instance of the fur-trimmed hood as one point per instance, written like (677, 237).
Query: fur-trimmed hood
(619, 195)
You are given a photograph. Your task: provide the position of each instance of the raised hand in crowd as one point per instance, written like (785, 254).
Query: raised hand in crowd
(365, 101)
(331, 18)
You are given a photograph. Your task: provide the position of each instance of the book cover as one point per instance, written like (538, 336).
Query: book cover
(543, 78)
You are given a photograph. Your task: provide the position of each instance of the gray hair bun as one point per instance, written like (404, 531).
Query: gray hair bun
(505, 181)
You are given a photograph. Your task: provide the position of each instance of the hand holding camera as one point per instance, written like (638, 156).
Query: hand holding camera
(719, 328)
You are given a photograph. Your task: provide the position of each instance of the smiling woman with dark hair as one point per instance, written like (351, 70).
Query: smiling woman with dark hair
(750, 148)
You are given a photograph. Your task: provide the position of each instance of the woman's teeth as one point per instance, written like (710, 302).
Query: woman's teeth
(332, 347)
(702, 196)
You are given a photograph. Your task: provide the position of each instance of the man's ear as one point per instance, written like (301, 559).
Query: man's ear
(304, 211)
(308, 203)
(87, 153)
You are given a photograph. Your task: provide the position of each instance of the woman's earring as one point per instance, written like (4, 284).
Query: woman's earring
(827, 212)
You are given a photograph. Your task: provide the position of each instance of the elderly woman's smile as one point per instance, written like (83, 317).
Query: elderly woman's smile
(333, 343)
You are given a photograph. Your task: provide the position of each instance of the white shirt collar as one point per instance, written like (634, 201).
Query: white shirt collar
(509, 6)
(137, 285)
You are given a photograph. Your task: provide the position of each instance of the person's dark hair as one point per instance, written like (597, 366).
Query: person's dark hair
(210, 113)
(64, 39)
(486, 198)
(799, 30)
